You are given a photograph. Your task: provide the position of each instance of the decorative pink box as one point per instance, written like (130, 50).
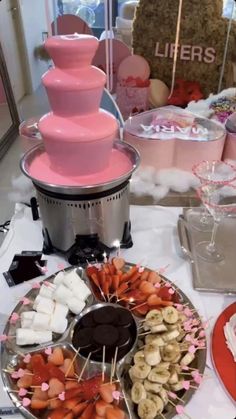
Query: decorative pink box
(230, 143)
(172, 137)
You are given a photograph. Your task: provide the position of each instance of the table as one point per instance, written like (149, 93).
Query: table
(154, 232)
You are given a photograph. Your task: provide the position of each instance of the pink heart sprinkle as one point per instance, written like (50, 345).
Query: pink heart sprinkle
(48, 284)
(48, 351)
(25, 301)
(36, 285)
(44, 269)
(195, 322)
(157, 285)
(172, 395)
(61, 266)
(171, 291)
(188, 338)
(192, 349)
(15, 375)
(187, 327)
(198, 379)
(179, 409)
(14, 317)
(201, 343)
(22, 392)
(167, 284)
(185, 368)
(26, 402)
(202, 334)
(44, 387)
(61, 396)
(186, 385)
(3, 338)
(179, 307)
(21, 372)
(27, 358)
(116, 395)
(141, 269)
(188, 312)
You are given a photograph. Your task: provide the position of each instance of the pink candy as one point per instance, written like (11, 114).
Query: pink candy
(22, 392)
(61, 266)
(192, 349)
(48, 351)
(36, 285)
(26, 402)
(27, 358)
(44, 387)
(14, 317)
(179, 409)
(25, 301)
(172, 395)
(117, 395)
(171, 291)
(3, 338)
(61, 396)
(186, 385)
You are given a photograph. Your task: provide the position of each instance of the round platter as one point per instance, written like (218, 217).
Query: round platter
(221, 355)
(11, 356)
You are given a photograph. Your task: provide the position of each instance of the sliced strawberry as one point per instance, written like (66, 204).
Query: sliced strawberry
(37, 359)
(142, 310)
(25, 381)
(79, 408)
(55, 404)
(164, 294)
(55, 387)
(89, 411)
(90, 388)
(144, 275)
(69, 415)
(119, 263)
(106, 390)
(71, 384)
(55, 372)
(68, 368)
(101, 407)
(59, 413)
(115, 413)
(154, 300)
(57, 357)
(38, 404)
(154, 277)
(40, 395)
(91, 270)
(73, 392)
(147, 288)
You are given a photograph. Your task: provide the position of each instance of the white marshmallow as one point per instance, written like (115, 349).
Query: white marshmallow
(75, 305)
(26, 319)
(42, 336)
(41, 321)
(45, 305)
(71, 279)
(59, 278)
(62, 294)
(46, 292)
(81, 291)
(25, 337)
(60, 310)
(58, 324)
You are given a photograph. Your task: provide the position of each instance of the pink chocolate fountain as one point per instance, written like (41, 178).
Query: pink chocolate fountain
(80, 168)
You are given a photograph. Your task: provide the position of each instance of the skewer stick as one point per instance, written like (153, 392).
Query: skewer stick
(103, 362)
(139, 305)
(114, 364)
(72, 362)
(85, 365)
(111, 370)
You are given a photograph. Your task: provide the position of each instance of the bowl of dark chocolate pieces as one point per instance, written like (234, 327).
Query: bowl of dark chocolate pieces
(106, 331)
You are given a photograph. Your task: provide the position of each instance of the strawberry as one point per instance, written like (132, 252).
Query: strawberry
(55, 387)
(69, 404)
(101, 407)
(39, 394)
(71, 384)
(153, 277)
(119, 263)
(147, 288)
(164, 294)
(91, 270)
(38, 404)
(142, 310)
(55, 404)
(68, 368)
(115, 413)
(37, 359)
(59, 413)
(57, 357)
(55, 372)
(69, 415)
(25, 381)
(79, 408)
(88, 413)
(106, 391)
(154, 300)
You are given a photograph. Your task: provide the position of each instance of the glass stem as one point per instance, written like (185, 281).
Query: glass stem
(212, 245)
(203, 219)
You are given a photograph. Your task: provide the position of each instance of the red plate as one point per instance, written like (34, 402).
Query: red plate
(221, 355)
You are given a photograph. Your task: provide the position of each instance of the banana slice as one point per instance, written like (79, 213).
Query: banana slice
(164, 396)
(176, 359)
(178, 386)
(159, 328)
(140, 370)
(170, 315)
(152, 354)
(182, 318)
(173, 378)
(162, 366)
(133, 378)
(138, 393)
(153, 318)
(152, 387)
(157, 400)
(160, 377)
(139, 356)
(173, 334)
(174, 326)
(187, 359)
(147, 409)
(170, 351)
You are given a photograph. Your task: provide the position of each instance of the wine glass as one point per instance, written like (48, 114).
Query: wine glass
(220, 202)
(216, 173)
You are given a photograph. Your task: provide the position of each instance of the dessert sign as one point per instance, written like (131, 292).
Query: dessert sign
(201, 46)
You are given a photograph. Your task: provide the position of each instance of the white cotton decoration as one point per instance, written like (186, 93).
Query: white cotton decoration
(159, 192)
(176, 179)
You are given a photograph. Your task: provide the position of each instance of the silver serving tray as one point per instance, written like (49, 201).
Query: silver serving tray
(207, 276)
(10, 357)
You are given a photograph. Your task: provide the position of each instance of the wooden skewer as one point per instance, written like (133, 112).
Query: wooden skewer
(114, 364)
(111, 370)
(72, 362)
(85, 365)
(103, 362)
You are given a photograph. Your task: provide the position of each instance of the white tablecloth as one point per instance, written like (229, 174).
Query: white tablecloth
(156, 245)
